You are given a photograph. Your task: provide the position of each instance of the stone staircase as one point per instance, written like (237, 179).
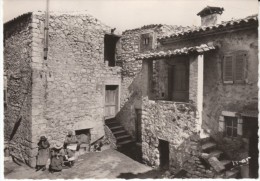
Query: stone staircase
(218, 160)
(121, 135)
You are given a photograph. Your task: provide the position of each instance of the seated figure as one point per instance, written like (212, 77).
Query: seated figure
(71, 144)
(57, 154)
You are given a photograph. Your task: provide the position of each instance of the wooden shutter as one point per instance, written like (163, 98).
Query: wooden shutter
(239, 67)
(228, 69)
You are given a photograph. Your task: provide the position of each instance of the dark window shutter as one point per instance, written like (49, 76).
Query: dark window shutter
(239, 69)
(228, 69)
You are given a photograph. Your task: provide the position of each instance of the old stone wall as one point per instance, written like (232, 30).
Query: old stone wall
(168, 121)
(229, 97)
(217, 96)
(17, 60)
(70, 95)
(132, 73)
(67, 90)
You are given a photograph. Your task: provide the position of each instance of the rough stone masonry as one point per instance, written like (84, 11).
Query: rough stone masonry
(64, 92)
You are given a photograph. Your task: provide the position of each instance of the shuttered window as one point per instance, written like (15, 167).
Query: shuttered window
(234, 67)
(228, 69)
(240, 67)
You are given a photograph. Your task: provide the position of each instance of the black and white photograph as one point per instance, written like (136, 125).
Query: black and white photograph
(130, 89)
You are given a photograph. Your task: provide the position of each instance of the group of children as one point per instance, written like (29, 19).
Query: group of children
(60, 154)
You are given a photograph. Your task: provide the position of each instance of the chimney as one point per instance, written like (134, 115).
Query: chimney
(210, 15)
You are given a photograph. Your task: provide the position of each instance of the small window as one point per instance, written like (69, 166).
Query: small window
(146, 42)
(110, 42)
(234, 67)
(231, 126)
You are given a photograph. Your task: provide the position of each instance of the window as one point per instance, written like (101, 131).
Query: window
(231, 126)
(146, 42)
(234, 67)
(110, 42)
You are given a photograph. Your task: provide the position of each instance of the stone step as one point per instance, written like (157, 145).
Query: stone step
(215, 153)
(124, 142)
(123, 136)
(119, 132)
(208, 145)
(124, 139)
(216, 164)
(116, 127)
(232, 173)
(225, 162)
(111, 122)
(113, 125)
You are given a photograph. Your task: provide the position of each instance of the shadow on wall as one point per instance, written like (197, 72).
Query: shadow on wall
(132, 99)
(15, 128)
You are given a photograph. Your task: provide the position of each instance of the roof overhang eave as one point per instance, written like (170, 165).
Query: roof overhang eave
(157, 57)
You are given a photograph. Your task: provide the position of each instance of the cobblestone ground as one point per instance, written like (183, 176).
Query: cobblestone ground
(106, 164)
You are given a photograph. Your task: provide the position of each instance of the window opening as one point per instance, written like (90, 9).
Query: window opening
(231, 126)
(110, 49)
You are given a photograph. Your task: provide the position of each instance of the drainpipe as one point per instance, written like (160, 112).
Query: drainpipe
(46, 31)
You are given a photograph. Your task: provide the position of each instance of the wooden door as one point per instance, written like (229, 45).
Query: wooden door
(179, 82)
(111, 101)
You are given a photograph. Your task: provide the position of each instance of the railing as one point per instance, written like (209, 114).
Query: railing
(110, 136)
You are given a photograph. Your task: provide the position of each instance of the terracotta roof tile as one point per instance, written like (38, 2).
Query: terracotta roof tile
(170, 53)
(225, 24)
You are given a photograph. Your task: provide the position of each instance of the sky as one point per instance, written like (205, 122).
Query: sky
(129, 14)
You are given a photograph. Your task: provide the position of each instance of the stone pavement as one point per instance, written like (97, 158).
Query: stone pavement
(106, 164)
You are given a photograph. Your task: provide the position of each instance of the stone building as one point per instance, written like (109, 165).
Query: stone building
(64, 92)
(202, 81)
(178, 92)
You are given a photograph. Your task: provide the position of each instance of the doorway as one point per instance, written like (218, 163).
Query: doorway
(164, 154)
(138, 128)
(111, 101)
(251, 126)
(178, 81)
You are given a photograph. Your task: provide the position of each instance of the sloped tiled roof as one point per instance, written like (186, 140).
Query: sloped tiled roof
(144, 27)
(171, 53)
(224, 25)
(166, 29)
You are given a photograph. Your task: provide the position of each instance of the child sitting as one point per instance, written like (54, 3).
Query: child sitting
(57, 154)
